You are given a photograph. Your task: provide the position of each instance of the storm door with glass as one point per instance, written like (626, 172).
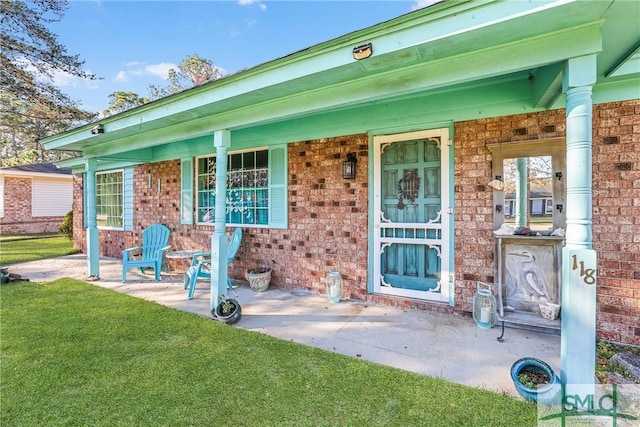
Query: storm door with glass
(412, 215)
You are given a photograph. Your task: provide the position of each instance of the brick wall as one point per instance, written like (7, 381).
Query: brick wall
(473, 222)
(328, 215)
(17, 217)
(616, 219)
(327, 220)
(616, 206)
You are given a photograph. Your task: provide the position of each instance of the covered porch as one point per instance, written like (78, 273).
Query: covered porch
(436, 73)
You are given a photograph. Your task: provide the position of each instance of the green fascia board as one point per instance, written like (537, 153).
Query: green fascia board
(419, 36)
(492, 99)
(415, 79)
(629, 65)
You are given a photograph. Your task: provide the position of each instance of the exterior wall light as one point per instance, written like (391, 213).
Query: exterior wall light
(349, 167)
(97, 129)
(363, 51)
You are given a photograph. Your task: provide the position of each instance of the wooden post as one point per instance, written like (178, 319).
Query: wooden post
(93, 237)
(221, 141)
(579, 260)
(522, 192)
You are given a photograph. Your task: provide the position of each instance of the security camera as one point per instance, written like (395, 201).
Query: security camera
(97, 129)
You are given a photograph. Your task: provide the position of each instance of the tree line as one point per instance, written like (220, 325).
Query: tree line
(32, 107)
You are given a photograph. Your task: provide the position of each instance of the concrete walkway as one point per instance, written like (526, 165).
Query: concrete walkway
(435, 344)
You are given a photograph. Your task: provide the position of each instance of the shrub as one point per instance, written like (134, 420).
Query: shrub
(67, 225)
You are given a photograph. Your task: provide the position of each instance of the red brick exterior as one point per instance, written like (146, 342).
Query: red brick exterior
(616, 219)
(17, 217)
(616, 206)
(328, 216)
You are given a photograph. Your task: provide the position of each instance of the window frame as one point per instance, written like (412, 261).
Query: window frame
(556, 148)
(267, 188)
(122, 199)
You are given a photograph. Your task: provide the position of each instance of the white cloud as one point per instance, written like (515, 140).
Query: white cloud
(58, 78)
(420, 4)
(137, 69)
(121, 77)
(258, 3)
(160, 70)
(64, 79)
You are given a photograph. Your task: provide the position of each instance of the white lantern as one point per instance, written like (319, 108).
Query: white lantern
(484, 306)
(333, 286)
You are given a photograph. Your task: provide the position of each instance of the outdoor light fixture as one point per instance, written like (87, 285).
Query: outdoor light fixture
(97, 129)
(363, 51)
(349, 167)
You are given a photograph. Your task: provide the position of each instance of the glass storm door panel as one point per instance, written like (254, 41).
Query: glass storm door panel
(411, 215)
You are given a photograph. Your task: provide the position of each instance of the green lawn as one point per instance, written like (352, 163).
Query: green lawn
(14, 251)
(77, 354)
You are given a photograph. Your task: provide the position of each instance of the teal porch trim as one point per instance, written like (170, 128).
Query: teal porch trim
(222, 142)
(278, 205)
(93, 238)
(127, 207)
(579, 260)
(186, 191)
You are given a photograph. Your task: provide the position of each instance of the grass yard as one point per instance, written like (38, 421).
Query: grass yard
(78, 354)
(14, 251)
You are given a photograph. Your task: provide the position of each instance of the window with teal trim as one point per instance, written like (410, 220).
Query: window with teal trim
(247, 198)
(110, 199)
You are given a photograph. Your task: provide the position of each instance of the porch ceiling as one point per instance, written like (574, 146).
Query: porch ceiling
(443, 48)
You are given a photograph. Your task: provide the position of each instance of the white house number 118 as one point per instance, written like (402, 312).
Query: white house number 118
(586, 274)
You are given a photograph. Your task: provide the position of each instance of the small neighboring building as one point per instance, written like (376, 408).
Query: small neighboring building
(34, 198)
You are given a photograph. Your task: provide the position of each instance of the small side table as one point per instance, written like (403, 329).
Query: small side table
(186, 254)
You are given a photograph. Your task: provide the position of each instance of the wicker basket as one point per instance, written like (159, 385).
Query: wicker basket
(259, 282)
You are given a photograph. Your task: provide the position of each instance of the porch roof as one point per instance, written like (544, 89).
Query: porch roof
(473, 59)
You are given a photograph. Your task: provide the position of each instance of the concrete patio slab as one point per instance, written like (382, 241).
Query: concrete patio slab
(428, 343)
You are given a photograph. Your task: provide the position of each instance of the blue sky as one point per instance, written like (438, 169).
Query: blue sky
(132, 44)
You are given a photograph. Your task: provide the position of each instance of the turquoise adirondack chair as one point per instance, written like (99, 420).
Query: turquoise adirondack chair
(154, 245)
(201, 264)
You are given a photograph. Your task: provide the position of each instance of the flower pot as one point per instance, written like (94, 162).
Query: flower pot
(231, 316)
(259, 282)
(549, 310)
(544, 393)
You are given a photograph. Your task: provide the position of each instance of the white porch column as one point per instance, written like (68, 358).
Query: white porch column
(222, 141)
(579, 261)
(93, 238)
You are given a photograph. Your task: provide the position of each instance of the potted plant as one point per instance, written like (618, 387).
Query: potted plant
(228, 311)
(535, 381)
(260, 277)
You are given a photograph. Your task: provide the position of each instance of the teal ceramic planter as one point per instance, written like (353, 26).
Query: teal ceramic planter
(545, 394)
